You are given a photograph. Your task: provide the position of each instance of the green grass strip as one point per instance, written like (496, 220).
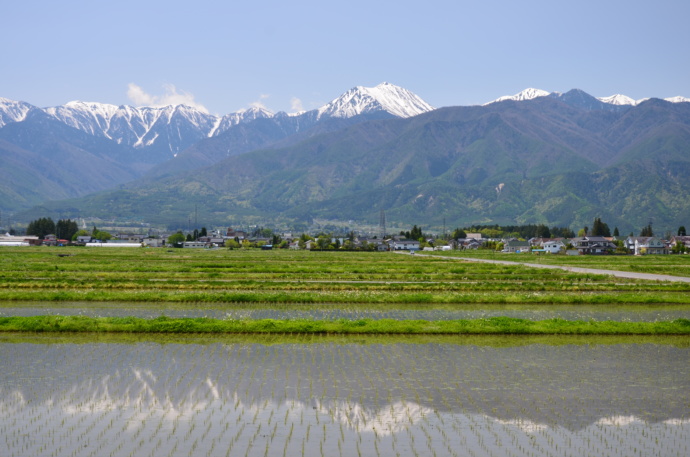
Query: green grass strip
(347, 297)
(494, 325)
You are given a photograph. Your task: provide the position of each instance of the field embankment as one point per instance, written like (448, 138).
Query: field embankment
(494, 325)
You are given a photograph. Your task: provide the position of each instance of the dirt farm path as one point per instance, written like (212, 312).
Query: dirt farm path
(616, 273)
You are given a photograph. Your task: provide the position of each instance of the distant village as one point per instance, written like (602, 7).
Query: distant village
(239, 239)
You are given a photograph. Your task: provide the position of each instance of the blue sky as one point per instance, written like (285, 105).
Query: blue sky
(228, 55)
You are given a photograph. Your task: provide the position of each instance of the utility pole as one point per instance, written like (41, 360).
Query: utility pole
(382, 224)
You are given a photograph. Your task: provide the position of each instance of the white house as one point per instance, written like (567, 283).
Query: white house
(113, 245)
(553, 246)
(404, 245)
(195, 244)
(154, 242)
(641, 245)
(10, 240)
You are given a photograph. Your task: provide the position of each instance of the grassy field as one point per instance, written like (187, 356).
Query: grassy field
(495, 325)
(253, 276)
(285, 278)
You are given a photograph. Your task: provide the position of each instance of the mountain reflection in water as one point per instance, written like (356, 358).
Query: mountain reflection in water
(336, 398)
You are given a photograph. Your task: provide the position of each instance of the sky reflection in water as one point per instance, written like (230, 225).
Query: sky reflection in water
(329, 398)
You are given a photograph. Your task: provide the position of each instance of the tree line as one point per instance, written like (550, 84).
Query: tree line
(63, 229)
(527, 231)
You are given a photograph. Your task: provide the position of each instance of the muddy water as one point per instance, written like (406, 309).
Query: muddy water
(317, 396)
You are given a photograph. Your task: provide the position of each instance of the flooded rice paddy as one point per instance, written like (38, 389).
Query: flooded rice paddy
(336, 396)
(280, 395)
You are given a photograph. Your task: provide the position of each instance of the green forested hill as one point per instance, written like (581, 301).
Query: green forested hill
(539, 161)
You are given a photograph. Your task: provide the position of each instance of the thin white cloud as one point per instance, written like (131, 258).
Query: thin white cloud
(139, 97)
(296, 104)
(260, 102)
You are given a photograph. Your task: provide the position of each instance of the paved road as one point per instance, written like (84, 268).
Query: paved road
(619, 274)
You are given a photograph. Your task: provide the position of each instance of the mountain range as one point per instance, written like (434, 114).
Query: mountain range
(609, 103)
(535, 157)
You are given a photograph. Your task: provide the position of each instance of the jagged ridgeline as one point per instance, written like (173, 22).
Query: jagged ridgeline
(559, 159)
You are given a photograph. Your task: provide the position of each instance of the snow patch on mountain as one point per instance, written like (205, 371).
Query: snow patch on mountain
(232, 119)
(12, 111)
(678, 99)
(618, 99)
(527, 94)
(387, 97)
(127, 124)
(141, 126)
(91, 117)
(214, 129)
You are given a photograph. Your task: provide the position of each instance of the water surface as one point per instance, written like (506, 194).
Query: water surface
(319, 396)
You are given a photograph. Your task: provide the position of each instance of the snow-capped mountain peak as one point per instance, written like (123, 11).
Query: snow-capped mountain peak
(678, 99)
(615, 100)
(91, 106)
(91, 117)
(384, 97)
(12, 111)
(618, 99)
(527, 94)
(245, 115)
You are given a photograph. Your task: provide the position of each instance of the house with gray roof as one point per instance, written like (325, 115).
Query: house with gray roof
(643, 245)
